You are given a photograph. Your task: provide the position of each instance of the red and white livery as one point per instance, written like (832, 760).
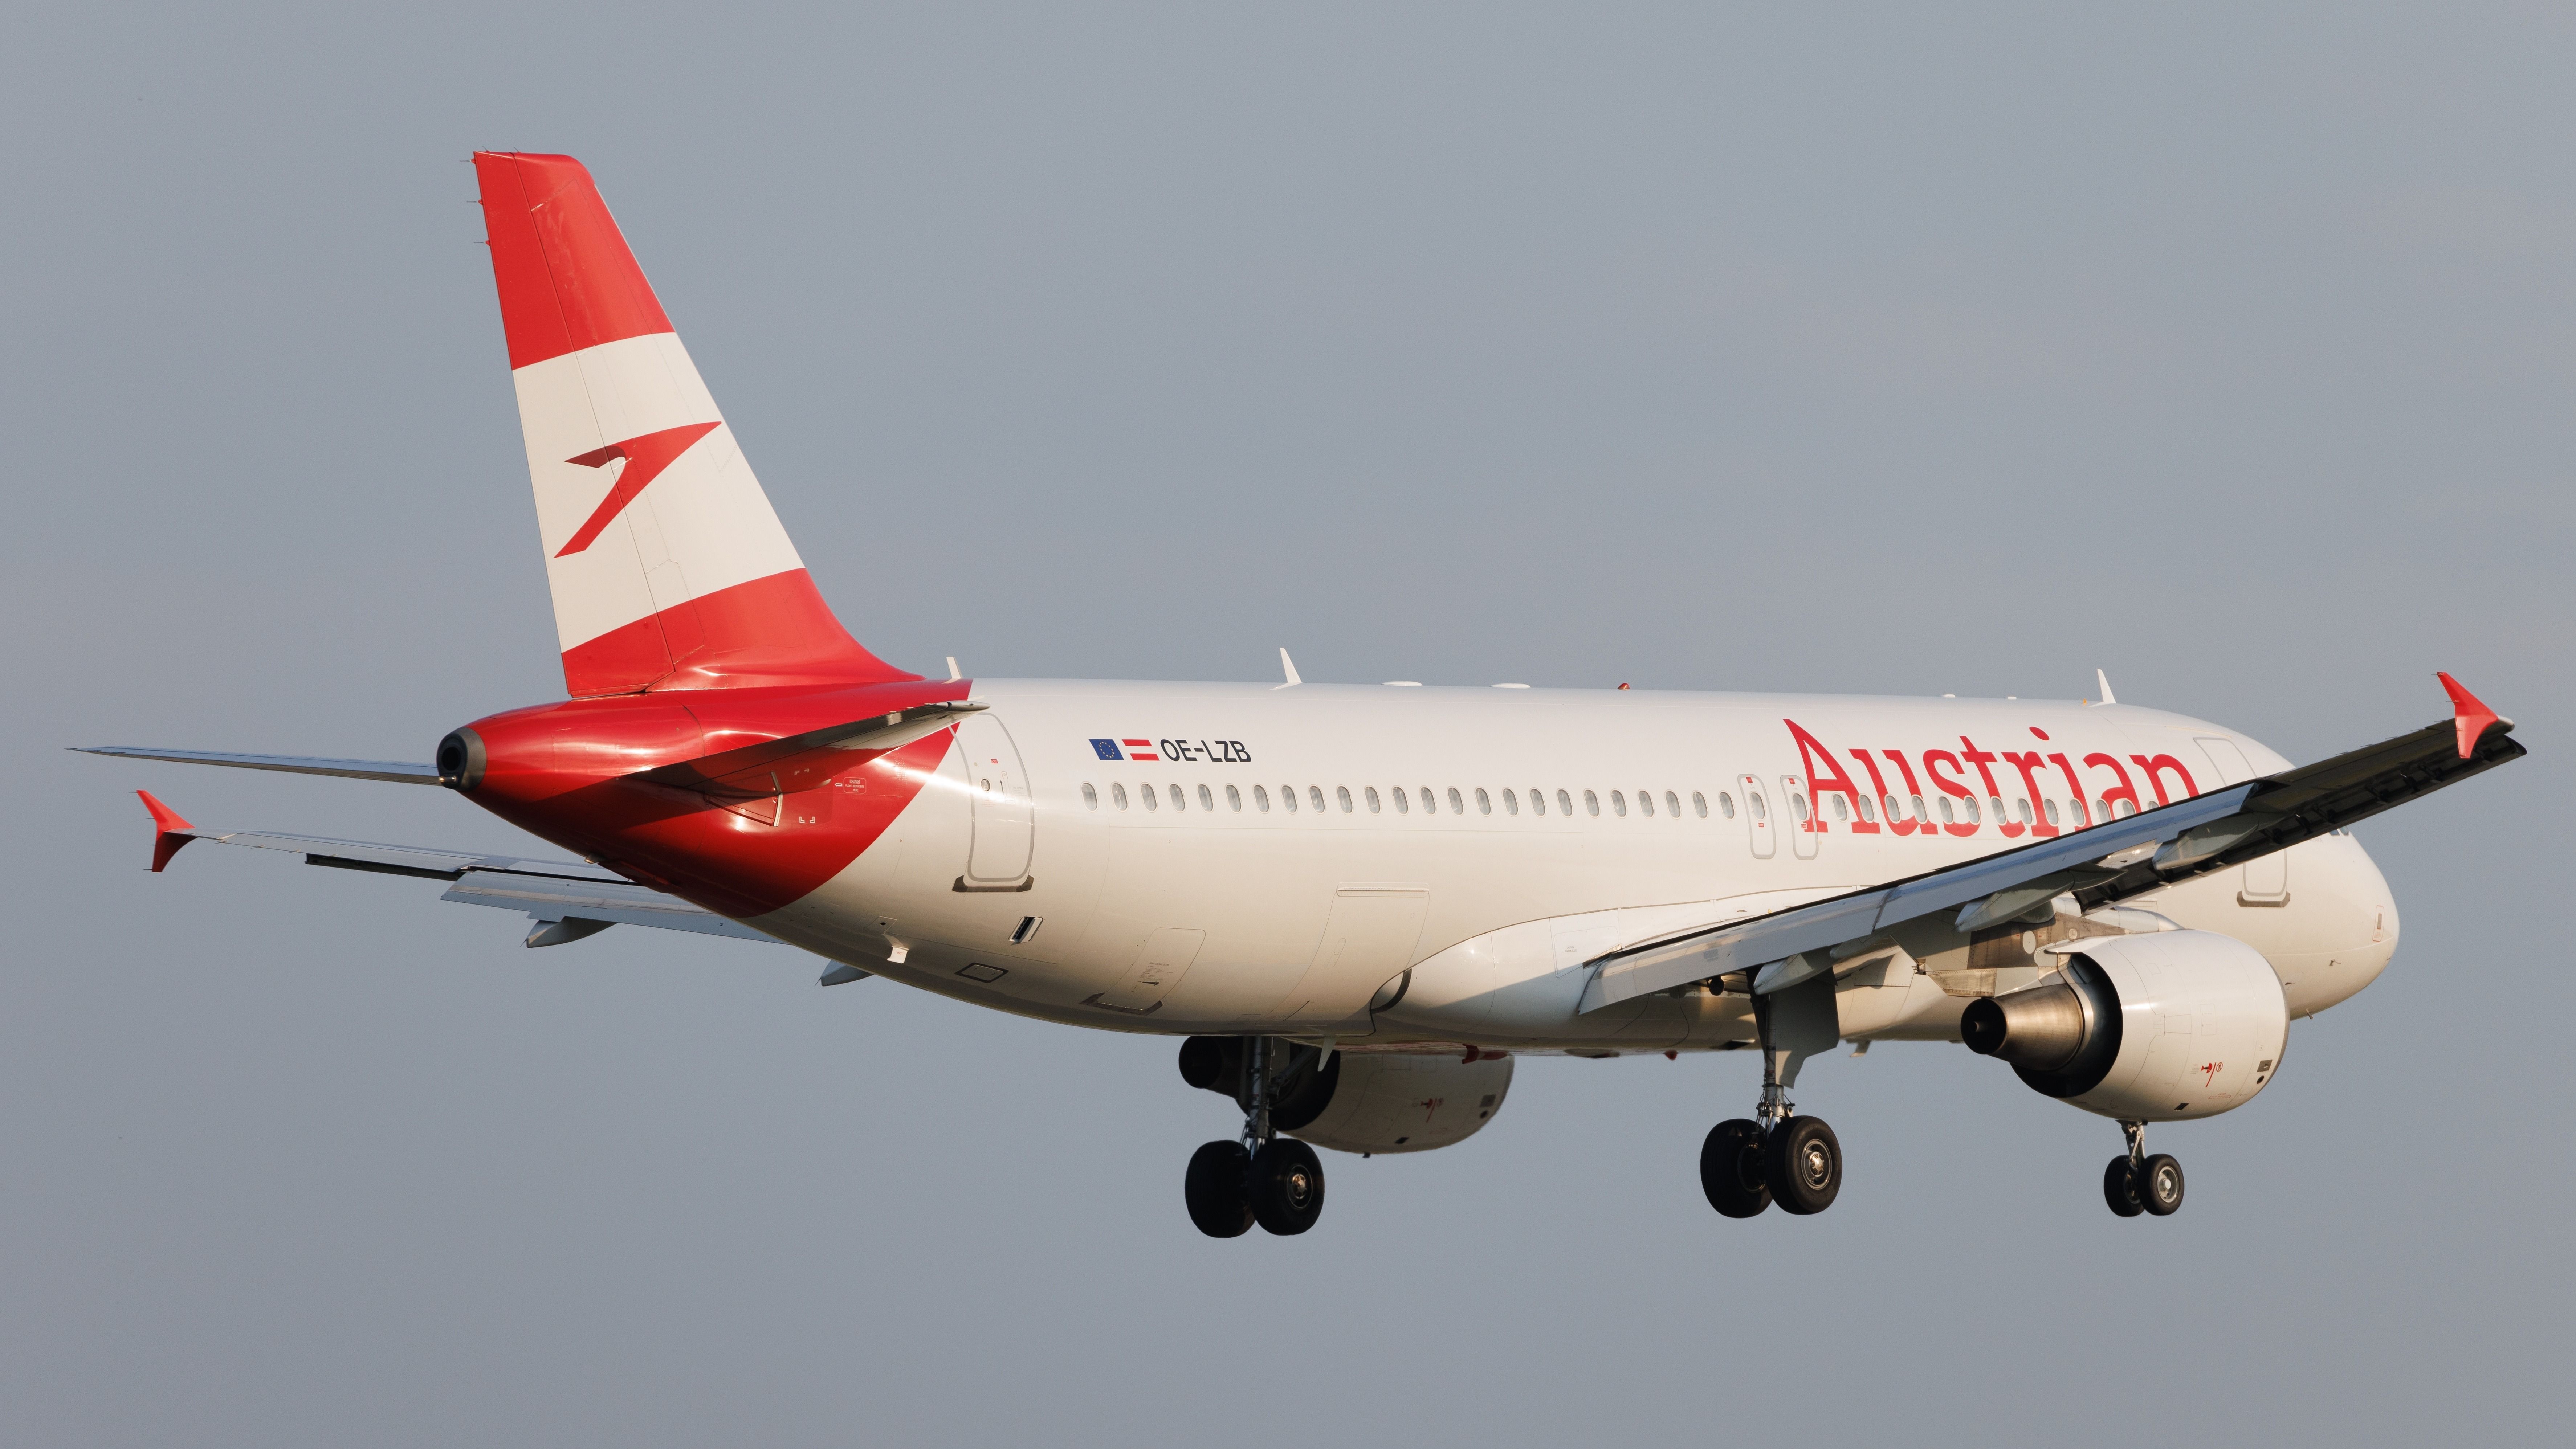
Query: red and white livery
(1358, 907)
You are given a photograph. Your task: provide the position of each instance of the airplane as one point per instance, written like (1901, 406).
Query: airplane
(1359, 906)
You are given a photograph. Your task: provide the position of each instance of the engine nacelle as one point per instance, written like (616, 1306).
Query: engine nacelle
(2161, 1027)
(1362, 1102)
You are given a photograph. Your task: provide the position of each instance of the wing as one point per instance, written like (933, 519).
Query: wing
(2099, 865)
(566, 899)
(394, 771)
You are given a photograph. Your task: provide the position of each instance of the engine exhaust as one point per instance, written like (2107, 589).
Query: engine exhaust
(2041, 1028)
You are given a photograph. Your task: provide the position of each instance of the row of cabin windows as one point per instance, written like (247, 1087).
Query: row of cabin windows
(1404, 803)
(1405, 800)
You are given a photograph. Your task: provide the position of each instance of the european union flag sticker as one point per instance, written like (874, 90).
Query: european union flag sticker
(1106, 749)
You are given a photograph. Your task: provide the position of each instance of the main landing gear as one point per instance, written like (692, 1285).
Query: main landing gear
(2140, 1183)
(1778, 1156)
(1260, 1177)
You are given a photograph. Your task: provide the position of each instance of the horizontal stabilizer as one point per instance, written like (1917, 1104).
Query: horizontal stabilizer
(551, 892)
(394, 771)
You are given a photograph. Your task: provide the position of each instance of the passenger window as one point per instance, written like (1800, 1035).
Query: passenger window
(1233, 798)
(1753, 802)
(1895, 812)
(1646, 802)
(1429, 806)
(1261, 799)
(1179, 800)
(1969, 804)
(1403, 801)
(1592, 804)
(1456, 805)
(1369, 793)
(1673, 805)
(1565, 806)
(1118, 796)
(1864, 807)
(1618, 804)
(1946, 816)
(1344, 791)
(1484, 803)
(1797, 805)
(1288, 797)
(1918, 809)
(2051, 807)
(1207, 801)
(1842, 808)
(2025, 810)
(1538, 802)
(1153, 801)
(1315, 797)
(1511, 803)
(2101, 810)
(1725, 804)
(2002, 816)
(1090, 797)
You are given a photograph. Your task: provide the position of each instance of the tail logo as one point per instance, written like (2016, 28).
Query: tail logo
(645, 457)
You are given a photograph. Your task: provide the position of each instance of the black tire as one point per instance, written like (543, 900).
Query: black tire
(1215, 1190)
(2160, 1185)
(2120, 1187)
(1287, 1187)
(1730, 1169)
(1803, 1165)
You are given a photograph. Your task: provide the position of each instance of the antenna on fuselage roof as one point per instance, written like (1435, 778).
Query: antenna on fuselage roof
(1289, 667)
(2105, 681)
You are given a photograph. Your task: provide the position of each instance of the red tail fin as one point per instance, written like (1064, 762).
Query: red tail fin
(668, 567)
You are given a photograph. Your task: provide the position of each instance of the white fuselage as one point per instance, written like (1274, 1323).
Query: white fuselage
(1537, 829)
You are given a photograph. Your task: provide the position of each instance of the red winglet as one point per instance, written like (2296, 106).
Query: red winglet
(2471, 716)
(173, 831)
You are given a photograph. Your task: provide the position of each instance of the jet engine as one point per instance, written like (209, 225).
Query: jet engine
(2159, 1027)
(1365, 1102)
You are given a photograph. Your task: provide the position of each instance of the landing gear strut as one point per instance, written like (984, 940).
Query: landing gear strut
(1260, 1177)
(1746, 1166)
(2140, 1183)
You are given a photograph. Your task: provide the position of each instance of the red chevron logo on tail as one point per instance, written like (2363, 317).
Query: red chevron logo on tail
(645, 457)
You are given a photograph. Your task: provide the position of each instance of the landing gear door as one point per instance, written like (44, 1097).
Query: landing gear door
(999, 790)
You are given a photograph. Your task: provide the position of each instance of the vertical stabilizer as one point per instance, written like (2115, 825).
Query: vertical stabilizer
(668, 567)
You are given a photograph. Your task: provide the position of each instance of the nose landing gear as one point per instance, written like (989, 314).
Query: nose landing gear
(1260, 1177)
(2140, 1183)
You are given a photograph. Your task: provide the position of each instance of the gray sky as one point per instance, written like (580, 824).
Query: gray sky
(2227, 349)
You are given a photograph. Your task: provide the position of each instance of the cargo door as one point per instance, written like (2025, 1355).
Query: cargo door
(1368, 939)
(1159, 967)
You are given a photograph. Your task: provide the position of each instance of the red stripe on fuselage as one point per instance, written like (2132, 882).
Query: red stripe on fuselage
(563, 772)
